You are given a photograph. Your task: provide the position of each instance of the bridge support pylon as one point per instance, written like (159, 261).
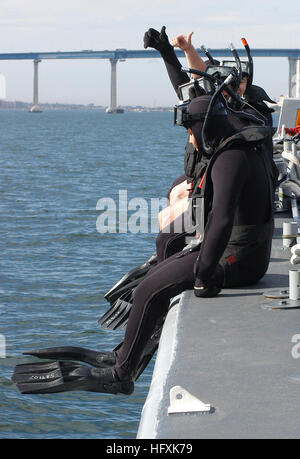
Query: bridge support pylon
(35, 108)
(113, 89)
(294, 77)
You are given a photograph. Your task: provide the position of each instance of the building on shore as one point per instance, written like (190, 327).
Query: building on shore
(2, 87)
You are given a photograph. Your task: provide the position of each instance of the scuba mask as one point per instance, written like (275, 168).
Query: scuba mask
(244, 65)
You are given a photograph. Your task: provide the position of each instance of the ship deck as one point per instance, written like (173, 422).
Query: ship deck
(233, 354)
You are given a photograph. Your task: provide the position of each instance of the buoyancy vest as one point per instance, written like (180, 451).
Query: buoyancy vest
(246, 256)
(201, 191)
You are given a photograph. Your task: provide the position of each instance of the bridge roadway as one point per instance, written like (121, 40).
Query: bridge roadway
(145, 54)
(121, 54)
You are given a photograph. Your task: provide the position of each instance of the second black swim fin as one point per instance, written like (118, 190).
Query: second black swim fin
(117, 316)
(120, 296)
(130, 280)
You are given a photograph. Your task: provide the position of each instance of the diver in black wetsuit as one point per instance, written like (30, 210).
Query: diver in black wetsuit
(237, 239)
(172, 236)
(235, 251)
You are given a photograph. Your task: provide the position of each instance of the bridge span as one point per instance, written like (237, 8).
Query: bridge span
(121, 54)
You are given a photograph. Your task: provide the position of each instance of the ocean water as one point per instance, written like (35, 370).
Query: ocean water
(55, 267)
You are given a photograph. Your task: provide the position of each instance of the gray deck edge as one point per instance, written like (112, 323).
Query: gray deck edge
(167, 366)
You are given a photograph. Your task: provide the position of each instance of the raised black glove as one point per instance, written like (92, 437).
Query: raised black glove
(205, 289)
(157, 40)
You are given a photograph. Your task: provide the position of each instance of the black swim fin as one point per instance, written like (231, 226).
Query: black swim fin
(116, 317)
(125, 283)
(60, 376)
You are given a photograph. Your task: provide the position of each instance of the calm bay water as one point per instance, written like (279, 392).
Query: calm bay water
(55, 267)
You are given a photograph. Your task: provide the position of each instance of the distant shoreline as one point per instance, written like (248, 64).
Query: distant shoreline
(26, 106)
(19, 105)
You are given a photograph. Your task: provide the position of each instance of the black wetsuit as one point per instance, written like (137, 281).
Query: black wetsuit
(235, 250)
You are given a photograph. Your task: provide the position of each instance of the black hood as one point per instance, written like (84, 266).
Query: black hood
(218, 128)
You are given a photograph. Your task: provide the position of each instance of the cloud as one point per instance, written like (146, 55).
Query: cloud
(98, 23)
(223, 20)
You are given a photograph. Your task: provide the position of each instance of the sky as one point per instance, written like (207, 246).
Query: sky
(73, 25)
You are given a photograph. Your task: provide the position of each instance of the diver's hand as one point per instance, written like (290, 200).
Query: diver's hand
(205, 289)
(183, 42)
(157, 40)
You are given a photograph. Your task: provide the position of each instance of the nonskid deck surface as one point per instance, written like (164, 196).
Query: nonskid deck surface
(231, 353)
